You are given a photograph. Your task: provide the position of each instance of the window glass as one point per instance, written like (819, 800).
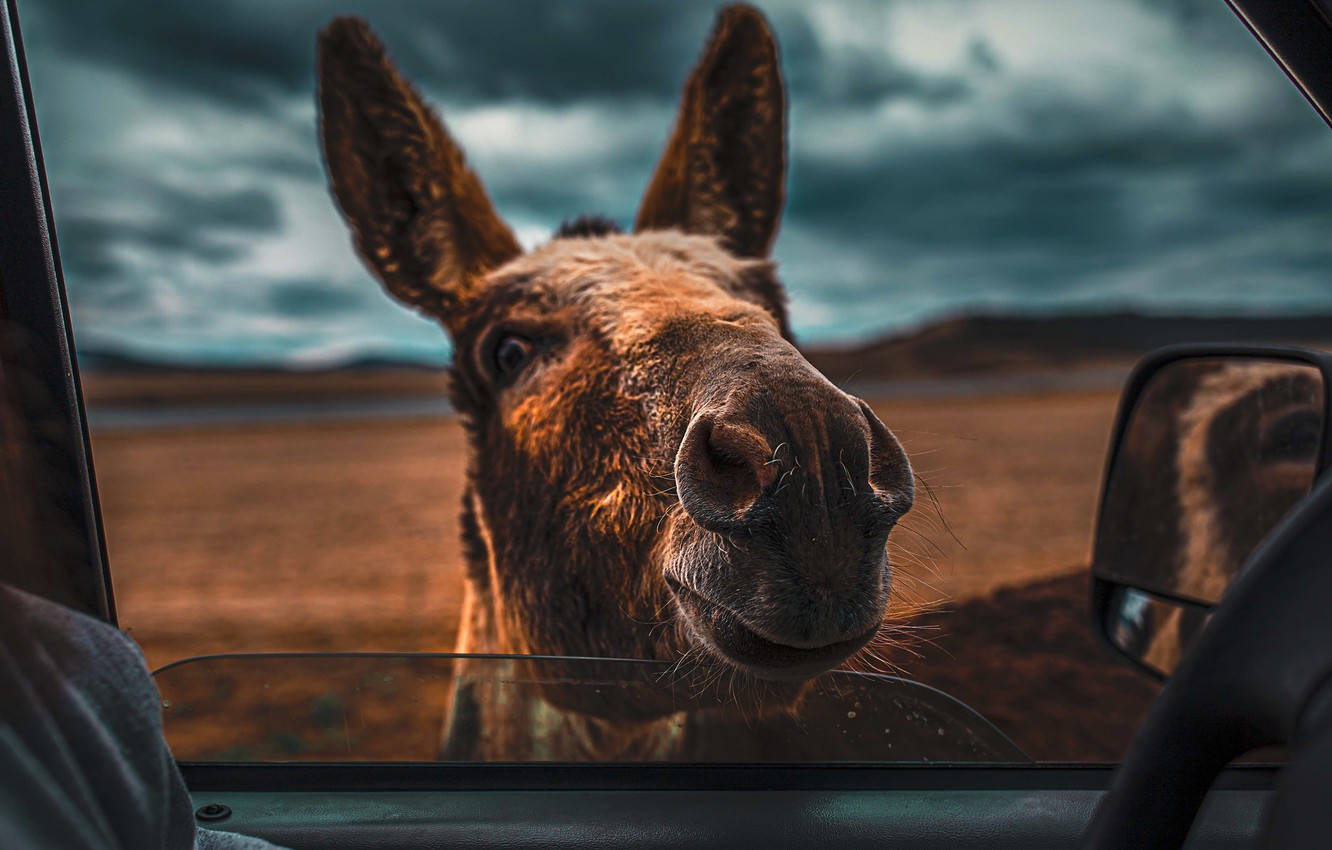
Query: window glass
(991, 210)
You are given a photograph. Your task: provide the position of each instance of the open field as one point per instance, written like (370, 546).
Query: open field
(344, 534)
(270, 510)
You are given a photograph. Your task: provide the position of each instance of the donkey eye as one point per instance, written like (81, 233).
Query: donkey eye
(512, 353)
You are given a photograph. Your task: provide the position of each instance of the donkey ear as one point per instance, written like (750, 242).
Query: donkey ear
(724, 169)
(419, 216)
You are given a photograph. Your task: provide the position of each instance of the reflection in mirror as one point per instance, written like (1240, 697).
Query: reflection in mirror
(1151, 630)
(1214, 453)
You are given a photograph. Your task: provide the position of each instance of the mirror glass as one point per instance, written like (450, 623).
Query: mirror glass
(1214, 453)
(1151, 630)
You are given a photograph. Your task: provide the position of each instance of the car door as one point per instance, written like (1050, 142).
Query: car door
(578, 804)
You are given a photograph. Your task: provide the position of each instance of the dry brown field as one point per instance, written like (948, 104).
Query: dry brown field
(344, 535)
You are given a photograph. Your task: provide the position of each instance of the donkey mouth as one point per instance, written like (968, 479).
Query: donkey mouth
(725, 632)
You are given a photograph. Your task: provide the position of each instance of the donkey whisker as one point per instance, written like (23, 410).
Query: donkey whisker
(849, 480)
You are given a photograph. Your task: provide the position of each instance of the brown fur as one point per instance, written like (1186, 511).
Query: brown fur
(664, 475)
(421, 218)
(724, 168)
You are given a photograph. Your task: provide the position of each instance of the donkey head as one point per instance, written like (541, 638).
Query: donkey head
(647, 445)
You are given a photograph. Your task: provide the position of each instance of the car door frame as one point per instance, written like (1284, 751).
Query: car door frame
(39, 372)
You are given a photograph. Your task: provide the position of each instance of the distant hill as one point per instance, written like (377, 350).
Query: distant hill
(98, 360)
(972, 345)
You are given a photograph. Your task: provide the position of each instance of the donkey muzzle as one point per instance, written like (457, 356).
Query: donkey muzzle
(789, 489)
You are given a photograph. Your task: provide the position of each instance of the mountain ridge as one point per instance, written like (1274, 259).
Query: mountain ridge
(965, 344)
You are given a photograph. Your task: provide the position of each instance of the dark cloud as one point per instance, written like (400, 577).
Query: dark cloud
(997, 236)
(231, 52)
(240, 49)
(204, 227)
(1156, 157)
(531, 49)
(1201, 20)
(314, 298)
(869, 80)
(281, 165)
(1281, 194)
(244, 210)
(982, 56)
(94, 241)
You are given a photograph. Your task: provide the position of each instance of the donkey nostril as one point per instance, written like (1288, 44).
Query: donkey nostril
(724, 459)
(890, 470)
(720, 471)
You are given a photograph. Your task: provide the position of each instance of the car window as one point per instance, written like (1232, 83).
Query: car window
(971, 217)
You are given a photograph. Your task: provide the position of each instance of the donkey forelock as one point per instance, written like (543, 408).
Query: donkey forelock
(587, 225)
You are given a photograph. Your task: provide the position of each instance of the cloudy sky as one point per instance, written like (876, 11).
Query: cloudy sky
(947, 157)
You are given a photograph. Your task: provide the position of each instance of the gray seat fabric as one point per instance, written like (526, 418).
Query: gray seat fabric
(82, 756)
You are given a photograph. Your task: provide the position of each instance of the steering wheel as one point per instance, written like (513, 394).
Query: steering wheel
(1259, 674)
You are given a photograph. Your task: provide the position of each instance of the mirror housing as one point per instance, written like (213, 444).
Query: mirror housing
(1212, 446)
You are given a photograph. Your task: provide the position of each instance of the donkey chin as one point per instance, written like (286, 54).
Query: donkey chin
(759, 651)
(777, 624)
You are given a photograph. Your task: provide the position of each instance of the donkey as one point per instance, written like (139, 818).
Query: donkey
(655, 471)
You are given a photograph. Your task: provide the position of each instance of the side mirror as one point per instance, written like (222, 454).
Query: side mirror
(1212, 447)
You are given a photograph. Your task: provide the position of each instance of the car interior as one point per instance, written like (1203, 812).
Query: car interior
(1235, 750)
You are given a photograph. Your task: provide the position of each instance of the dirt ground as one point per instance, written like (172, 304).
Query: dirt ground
(1026, 658)
(343, 535)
